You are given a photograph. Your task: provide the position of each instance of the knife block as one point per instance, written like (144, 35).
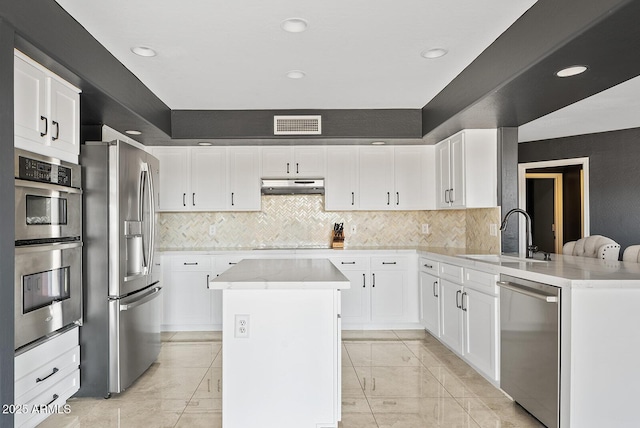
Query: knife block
(337, 240)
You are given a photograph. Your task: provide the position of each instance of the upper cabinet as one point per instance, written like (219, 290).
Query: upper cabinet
(467, 170)
(341, 183)
(46, 111)
(290, 161)
(208, 178)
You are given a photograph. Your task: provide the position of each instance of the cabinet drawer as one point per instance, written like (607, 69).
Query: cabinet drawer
(481, 281)
(49, 373)
(191, 263)
(42, 356)
(388, 263)
(52, 399)
(429, 266)
(451, 272)
(350, 263)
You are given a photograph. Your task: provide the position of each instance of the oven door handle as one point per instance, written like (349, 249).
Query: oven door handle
(46, 186)
(515, 288)
(142, 300)
(27, 249)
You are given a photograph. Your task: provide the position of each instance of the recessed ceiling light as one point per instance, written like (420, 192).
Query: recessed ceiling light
(295, 74)
(378, 143)
(294, 25)
(204, 143)
(143, 51)
(571, 71)
(433, 53)
(132, 132)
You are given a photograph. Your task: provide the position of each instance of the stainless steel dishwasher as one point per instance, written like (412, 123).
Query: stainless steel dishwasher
(530, 346)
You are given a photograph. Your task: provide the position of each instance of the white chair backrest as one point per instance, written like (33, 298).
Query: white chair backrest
(596, 246)
(631, 254)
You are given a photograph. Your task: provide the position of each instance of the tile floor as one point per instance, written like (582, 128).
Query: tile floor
(390, 379)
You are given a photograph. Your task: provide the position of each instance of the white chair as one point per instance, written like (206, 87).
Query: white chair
(631, 254)
(596, 246)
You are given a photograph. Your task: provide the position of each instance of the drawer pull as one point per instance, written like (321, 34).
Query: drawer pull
(55, 397)
(428, 266)
(389, 263)
(54, 371)
(364, 280)
(348, 263)
(190, 263)
(233, 263)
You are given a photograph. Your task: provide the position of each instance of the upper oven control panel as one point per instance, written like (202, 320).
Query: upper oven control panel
(35, 167)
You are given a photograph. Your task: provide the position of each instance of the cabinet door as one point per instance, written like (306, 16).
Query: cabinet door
(411, 178)
(31, 120)
(65, 117)
(341, 184)
(443, 166)
(430, 303)
(277, 162)
(187, 300)
(244, 179)
(451, 315)
(174, 175)
(208, 179)
(376, 178)
(480, 326)
(388, 291)
(457, 172)
(356, 300)
(309, 162)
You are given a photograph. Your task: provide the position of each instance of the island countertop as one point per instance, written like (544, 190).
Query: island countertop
(310, 274)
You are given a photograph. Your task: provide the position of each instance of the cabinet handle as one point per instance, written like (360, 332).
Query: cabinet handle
(451, 199)
(287, 167)
(233, 263)
(458, 305)
(364, 280)
(435, 289)
(184, 200)
(428, 266)
(388, 198)
(207, 286)
(54, 371)
(232, 203)
(373, 283)
(193, 199)
(446, 196)
(348, 263)
(190, 263)
(397, 198)
(389, 263)
(46, 126)
(57, 125)
(353, 200)
(55, 397)
(463, 306)
(297, 168)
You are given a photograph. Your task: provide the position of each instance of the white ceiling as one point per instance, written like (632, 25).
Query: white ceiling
(357, 54)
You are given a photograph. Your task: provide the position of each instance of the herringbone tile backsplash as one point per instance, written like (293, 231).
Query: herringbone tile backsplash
(300, 220)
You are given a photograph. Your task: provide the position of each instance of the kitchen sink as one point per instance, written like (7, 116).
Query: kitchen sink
(500, 258)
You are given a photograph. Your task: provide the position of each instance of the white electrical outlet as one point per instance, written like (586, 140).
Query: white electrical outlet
(493, 229)
(242, 326)
(425, 229)
(212, 229)
(353, 229)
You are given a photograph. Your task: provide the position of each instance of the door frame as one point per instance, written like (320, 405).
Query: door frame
(557, 203)
(522, 190)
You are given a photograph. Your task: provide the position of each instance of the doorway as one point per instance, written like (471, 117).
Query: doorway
(556, 195)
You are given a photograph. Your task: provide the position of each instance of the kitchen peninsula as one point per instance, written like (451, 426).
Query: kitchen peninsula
(281, 334)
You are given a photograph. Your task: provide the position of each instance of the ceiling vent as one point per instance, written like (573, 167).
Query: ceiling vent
(297, 125)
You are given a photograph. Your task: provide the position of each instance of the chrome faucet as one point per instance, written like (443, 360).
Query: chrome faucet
(530, 247)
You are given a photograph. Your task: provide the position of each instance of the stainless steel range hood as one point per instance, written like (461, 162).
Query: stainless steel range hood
(302, 186)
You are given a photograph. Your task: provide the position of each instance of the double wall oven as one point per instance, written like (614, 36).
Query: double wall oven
(48, 239)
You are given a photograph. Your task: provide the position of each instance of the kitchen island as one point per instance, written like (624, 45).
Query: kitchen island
(281, 346)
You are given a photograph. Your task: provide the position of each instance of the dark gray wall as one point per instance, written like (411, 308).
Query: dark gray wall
(614, 178)
(7, 234)
(508, 183)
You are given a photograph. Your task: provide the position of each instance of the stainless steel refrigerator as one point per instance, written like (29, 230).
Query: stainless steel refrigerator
(120, 337)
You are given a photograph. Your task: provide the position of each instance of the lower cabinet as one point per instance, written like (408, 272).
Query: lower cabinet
(45, 377)
(451, 322)
(430, 303)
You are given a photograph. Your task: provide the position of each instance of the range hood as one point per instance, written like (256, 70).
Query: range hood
(301, 186)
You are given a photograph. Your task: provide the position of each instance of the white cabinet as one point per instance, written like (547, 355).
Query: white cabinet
(46, 375)
(356, 301)
(481, 318)
(451, 322)
(46, 111)
(208, 179)
(376, 178)
(389, 289)
(430, 296)
(282, 162)
(466, 170)
(341, 183)
(188, 302)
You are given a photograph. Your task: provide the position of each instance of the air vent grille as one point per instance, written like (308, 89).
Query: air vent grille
(297, 125)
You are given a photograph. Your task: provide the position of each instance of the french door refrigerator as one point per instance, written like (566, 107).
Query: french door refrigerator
(120, 338)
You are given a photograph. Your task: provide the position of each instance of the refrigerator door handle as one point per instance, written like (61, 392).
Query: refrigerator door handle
(141, 191)
(142, 300)
(152, 215)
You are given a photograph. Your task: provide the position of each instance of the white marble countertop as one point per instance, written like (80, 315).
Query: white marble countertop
(281, 274)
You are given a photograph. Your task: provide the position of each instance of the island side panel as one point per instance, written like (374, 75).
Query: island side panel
(286, 372)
